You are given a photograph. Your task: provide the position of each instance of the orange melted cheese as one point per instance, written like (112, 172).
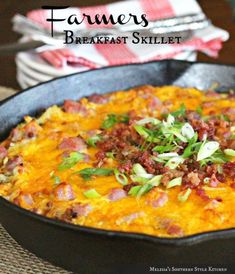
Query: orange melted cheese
(41, 157)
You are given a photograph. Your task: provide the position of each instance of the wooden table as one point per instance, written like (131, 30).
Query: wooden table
(218, 11)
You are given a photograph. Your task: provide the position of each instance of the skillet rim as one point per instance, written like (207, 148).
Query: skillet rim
(176, 241)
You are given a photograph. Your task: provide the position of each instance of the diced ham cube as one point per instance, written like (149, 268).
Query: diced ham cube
(117, 194)
(13, 163)
(161, 200)
(73, 144)
(3, 152)
(71, 106)
(64, 192)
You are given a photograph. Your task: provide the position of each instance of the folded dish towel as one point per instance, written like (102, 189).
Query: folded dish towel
(208, 40)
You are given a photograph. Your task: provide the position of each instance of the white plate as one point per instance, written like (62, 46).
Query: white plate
(25, 79)
(20, 81)
(35, 62)
(32, 73)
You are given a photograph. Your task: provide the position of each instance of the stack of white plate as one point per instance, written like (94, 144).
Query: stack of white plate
(32, 69)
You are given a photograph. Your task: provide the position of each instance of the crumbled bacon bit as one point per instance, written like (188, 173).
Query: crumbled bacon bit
(125, 167)
(144, 158)
(229, 169)
(213, 181)
(204, 129)
(169, 175)
(193, 178)
(128, 187)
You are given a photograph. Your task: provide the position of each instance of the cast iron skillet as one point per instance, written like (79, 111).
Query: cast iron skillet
(88, 250)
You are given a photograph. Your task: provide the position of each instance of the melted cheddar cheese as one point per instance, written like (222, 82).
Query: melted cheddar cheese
(37, 184)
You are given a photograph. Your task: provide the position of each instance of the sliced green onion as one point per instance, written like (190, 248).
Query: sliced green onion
(142, 131)
(168, 155)
(110, 155)
(144, 189)
(187, 131)
(207, 149)
(86, 173)
(162, 149)
(206, 180)
(174, 162)
(148, 120)
(156, 159)
(121, 178)
(134, 190)
(155, 181)
(109, 121)
(230, 152)
(93, 140)
(199, 110)
(140, 171)
(170, 119)
(183, 195)
(70, 161)
(180, 112)
(139, 179)
(140, 190)
(91, 194)
(177, 133)
(174, 182)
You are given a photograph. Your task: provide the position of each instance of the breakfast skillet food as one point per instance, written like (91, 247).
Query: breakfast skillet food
(154, 160)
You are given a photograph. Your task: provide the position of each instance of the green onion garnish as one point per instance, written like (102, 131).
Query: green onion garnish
(121, 178)
(139, 179)
(180, 112)
(155, 181)
(112, 119)
(91, 194)
(93, 140)
(70, 161)
(148, 120)
(174, 182)
(134, 190)
(140, 171)
(229, 152)
(140, 190)
(174, 162)
(142, 131)
(207, 149)
(86, 173)
(183, 195)
(187, 131)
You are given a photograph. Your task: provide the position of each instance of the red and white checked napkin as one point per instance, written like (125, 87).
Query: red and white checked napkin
(208, 40)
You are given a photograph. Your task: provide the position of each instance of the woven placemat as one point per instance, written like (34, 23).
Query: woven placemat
(16, 260)
(13, 258)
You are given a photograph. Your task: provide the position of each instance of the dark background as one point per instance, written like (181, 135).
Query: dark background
(219, 11)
